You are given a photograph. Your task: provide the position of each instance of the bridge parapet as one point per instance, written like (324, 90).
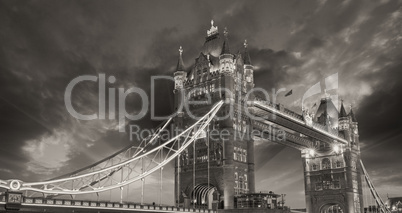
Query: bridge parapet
(293, 114)
(323, 128)
(85, 204)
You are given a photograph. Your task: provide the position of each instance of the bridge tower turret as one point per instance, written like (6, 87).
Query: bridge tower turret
(179, 97)
(352, 158)
(332, 172)
(248, 69)
(179, 78)
(227, 68)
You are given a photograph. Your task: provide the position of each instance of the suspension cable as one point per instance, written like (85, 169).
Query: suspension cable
(85, 183)
(377, 198)
(194, 159)
(208, 164)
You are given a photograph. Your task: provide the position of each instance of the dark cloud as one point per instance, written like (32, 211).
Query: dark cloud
(44, 45)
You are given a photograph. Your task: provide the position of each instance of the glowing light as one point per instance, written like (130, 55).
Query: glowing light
(312, 152)
(336, 148)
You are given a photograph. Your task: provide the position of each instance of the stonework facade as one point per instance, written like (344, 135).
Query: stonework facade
(333, 175)
(219, 75)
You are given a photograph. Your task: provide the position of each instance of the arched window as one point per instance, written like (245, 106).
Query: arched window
(241, 183)
(245, 177)
(236, 176)
(236, 187)
(314, 167)
(338, 164)
(245, 155)
(326, 163)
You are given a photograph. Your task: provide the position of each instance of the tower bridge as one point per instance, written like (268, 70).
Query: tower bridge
(212, 173)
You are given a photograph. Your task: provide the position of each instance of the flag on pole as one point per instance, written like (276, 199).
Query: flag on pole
(289, 93)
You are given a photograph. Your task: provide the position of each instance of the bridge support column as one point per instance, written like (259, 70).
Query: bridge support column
(250, 160)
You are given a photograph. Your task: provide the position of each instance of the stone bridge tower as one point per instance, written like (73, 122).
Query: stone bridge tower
(216, 75)
(332, 174)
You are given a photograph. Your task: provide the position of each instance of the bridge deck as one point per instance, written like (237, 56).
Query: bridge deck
(291, 140)
(293, 121)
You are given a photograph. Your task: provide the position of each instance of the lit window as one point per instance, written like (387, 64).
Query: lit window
(354, 164)
(245, 177)
(326, 184)
(354, 182)
(326, 163)
(236, 176)
(338, 164)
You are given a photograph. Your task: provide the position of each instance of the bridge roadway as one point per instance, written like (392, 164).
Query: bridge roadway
(63, 205)
(274, 113)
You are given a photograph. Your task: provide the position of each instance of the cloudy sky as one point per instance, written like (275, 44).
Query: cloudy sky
(293, 45)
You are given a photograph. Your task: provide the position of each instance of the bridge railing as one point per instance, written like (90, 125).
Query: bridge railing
(293, 114)
(101, 205)
(324, 128)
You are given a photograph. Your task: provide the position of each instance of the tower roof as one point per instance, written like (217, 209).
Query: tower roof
(180, 63)
(246, 58)
(225, 47)
(352, 115)
(327, 112)
(342, 113)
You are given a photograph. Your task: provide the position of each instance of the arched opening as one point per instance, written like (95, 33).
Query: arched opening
(332, 208)
(204, 195)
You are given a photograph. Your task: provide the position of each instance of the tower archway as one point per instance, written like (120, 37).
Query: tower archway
(204, 195)
(332, 208)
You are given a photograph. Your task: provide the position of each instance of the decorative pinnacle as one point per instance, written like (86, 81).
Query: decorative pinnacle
(245, 43)
(225, 32)
(213, 30)
(180, 64)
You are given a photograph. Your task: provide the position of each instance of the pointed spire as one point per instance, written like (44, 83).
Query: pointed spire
(342, 113)
(246, 59)
(225, 48)
(352, 115)
(180, 64)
